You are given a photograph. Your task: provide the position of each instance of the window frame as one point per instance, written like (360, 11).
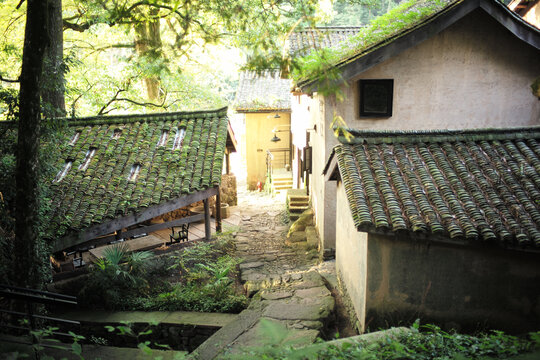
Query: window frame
(389, 84)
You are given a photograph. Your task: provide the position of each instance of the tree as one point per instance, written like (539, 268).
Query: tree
(52, 85)
(27, 171)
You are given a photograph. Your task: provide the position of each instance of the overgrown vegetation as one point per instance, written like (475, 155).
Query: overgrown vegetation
(421, 343)
(198, 278)
(405, 16)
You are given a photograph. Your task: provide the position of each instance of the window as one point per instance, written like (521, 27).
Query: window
(89, 155)
(134, 173)
(376, 97)
(62, 173)
(74, 138)
(163, 138)
(178, 138)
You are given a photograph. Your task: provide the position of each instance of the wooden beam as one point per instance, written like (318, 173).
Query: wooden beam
(218, 211)
(135, 218)
(207, 230)
(141, 230)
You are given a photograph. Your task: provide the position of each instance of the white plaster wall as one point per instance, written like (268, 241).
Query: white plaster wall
(475, 74)
(323, 194)
(300, 121)
(351, 256)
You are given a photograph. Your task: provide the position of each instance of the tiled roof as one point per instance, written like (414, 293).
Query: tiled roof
(303, 41)
(139, 147)
(474, 185)
(405, 25)
(266, 91)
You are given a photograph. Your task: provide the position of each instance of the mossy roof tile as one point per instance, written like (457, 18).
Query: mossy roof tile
(471, 185)
(103, 190)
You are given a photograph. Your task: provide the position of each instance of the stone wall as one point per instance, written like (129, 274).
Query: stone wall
(228, 189)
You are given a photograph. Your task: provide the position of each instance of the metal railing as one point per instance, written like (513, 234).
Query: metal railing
(26, 322)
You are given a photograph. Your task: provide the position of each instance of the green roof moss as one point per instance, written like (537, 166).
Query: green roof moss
(473, 185)
(103, 190)
(382, 30)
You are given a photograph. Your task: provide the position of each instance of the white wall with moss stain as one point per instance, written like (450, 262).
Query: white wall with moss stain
(474, 74)
(351, 257)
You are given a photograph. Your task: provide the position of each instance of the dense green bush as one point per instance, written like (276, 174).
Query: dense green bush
(197, 278)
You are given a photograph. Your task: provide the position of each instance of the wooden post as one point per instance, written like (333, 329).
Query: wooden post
(207, 230)
(218, 210)
(227, 163)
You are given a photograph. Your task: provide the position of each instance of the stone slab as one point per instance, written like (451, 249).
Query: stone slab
(251, 265)
(297, 236)
(165, 317)
(286, 311)
(221, 339)
(311, 293)
(269, 332)
(276, 295)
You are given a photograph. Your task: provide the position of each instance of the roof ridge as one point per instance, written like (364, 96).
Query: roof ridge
(439, 135)
(128, 118)
(337, 27)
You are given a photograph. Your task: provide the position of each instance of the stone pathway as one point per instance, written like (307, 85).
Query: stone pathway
(290, 296)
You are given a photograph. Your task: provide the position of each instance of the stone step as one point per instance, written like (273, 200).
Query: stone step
(298, 203)
(298, 197)
(278, 183)
(298, 209)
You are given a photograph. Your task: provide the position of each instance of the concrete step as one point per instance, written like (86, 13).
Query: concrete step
(299, 203)
(282, 182)
(298, 209)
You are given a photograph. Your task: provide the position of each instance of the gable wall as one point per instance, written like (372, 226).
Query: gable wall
(475, 74)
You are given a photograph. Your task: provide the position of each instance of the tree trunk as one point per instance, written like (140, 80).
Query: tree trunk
(52, 88)
(27, 174)
(148, 46)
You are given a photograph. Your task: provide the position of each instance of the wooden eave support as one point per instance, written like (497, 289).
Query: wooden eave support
(218, 211)
(108, 227)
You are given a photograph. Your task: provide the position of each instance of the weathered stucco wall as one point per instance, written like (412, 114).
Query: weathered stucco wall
(454, 286)
(351, 259)
(259, 128)
(474, 74)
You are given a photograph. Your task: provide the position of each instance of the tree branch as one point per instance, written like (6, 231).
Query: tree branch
(76, 27)
(113, 99)
(9, 80)
(162, 105)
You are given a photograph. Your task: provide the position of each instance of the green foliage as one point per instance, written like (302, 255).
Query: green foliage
(535, 87)
(117, 275)
(9, 104)
(405, 16)
(421, 342)
(358, 12)
(48, 158)
(135, 281)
